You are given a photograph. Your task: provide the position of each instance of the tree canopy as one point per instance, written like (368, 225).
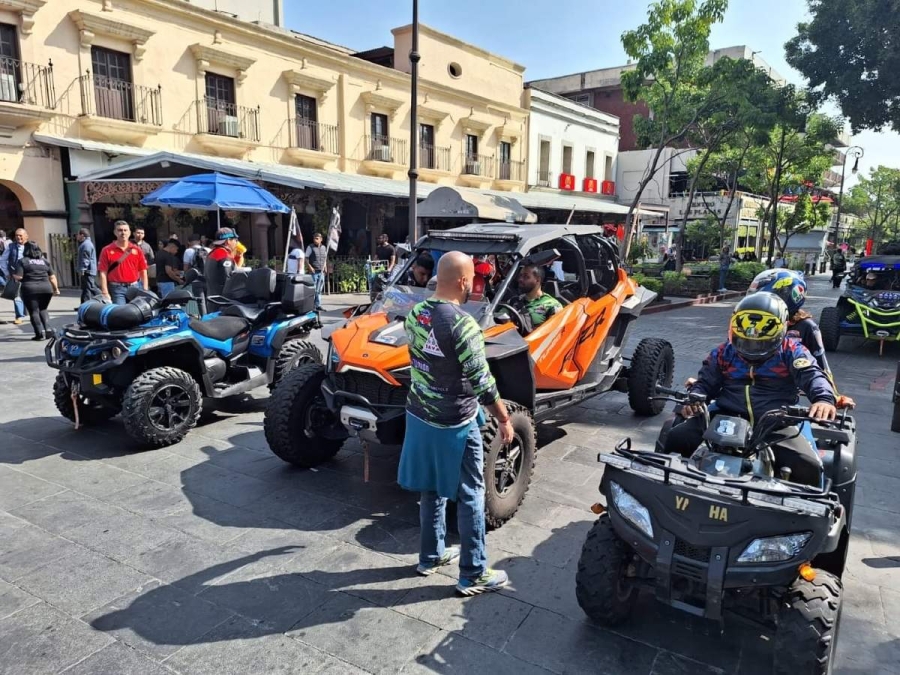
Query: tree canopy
(849, 53)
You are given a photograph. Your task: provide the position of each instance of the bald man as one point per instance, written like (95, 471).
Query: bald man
(443, 454)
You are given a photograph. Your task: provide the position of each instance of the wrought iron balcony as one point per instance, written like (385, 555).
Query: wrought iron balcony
(433, 157)
(27, 83)
(219, 118)
(512, 171)
(121, 100)
(380, 148)
(309, 135)
(477, 165)
(544, 178)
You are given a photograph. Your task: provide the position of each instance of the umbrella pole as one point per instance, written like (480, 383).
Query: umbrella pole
(218, 218)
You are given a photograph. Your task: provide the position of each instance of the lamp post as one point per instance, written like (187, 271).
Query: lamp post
(855, 152)
(413, 123)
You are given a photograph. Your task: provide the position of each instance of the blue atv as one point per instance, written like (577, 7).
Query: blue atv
(153, 362)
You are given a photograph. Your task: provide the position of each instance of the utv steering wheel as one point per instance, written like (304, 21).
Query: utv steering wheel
(516, 317)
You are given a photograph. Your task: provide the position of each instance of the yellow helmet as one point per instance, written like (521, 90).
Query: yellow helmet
(759, 325)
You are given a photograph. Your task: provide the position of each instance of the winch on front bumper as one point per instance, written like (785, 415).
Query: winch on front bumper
(701, 536)
(367, 406)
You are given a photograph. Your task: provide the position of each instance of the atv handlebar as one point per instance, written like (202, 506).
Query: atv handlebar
(680, 396)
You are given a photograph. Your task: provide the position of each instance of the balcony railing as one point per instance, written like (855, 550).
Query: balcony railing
(544, 178)
(120, 100)
(219, 118)
(385, 149)
(478, 165)
(27, 83)
(433, 157)
(511, 170)
(310, 135)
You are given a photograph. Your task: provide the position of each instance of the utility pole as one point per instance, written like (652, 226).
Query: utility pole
(856, 152)
(414, 125)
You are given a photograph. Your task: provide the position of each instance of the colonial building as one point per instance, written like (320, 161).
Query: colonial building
(102, 100)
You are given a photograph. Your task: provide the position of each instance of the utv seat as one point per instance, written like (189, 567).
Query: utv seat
(220, 328)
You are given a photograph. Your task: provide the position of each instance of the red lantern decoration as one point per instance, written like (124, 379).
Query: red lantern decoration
(589, 185)
(566, 181)
(608, 187)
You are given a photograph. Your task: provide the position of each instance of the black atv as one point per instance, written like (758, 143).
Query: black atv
(720, 534)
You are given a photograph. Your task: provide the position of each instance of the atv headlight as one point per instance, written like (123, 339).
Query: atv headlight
(774, 549)
(333, 358)
(631, 509)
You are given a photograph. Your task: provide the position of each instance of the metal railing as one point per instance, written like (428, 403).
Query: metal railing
(220, 118)
(385, 149)
(120, 100)
(27, 83)
(544, 178)
(477, 165)
(316, 136)
(433, 157)
(511, 170)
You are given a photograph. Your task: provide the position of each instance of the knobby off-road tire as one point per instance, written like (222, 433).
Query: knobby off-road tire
(292, 408)
(653, 363)
(292, 354)
(599, 582)
(161, 406)
(502, 501)
(89, 412)
(806, 640)
(830, 325)
(895, 419)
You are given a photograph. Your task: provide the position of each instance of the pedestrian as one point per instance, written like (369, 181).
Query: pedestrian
(385, 252)
(811, 260)
(168, 268)
(724, 264)
(316, 259)
(122, 265)
(195, 254)
(14, 252)
(87, 265)
(296, 262)
(146, 248)
(838, 268)
(38, 285)
(443, 454)
(220, 263)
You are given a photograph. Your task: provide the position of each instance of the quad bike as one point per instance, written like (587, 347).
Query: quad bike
(873, 312)
(575, 355)
(725, 533)
(152, 362)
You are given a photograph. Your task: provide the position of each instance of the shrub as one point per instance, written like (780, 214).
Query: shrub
(673, 282)
(745, 272)
(651, 284)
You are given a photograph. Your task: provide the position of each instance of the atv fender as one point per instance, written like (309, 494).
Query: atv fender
(636, 303)
(300, 324)
(510, 363)
(192, 361)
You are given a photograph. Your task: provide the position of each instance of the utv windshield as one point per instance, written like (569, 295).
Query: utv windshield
(397, 301)
(877, 274)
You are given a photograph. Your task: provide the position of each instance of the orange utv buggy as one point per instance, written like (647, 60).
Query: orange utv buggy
(575, 354)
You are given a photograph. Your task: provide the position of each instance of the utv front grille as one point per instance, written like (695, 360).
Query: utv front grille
(696, 553)
(371, 387)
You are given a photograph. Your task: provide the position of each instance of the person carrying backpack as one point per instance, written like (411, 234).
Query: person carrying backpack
(195, 255)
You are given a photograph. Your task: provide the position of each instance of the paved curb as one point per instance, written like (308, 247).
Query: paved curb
(692, 302)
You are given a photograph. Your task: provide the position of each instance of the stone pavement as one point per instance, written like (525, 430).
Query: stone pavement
(213, 556)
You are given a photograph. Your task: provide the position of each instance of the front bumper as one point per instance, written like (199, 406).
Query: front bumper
(370, 421)
(872, 323)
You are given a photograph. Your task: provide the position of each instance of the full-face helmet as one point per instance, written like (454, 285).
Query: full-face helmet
(788, 285)
(758, 326)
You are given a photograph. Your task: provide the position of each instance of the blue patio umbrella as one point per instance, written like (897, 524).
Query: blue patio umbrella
(215, 192)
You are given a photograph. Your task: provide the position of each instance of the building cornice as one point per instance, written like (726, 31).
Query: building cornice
(91, 25)
(303, 80)
(208, 56)
(26, 8)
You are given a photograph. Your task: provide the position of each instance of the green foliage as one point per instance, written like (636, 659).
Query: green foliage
(639, 250)
(673, 282)
(650, 283)
(349, 277)
(707, 233)
(745, 272)
(848, 53)
(878, 200)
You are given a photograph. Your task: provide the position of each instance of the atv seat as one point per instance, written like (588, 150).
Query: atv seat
(219, 328)
(248, 312)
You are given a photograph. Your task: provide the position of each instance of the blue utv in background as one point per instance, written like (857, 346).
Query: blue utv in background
(152, 362)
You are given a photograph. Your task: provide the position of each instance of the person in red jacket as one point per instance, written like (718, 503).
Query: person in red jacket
(220, 262)
(122, 265)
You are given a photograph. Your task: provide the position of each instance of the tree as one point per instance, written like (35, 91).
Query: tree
(806, 216)
(741, 102)
(880, 194)
(706, 234)
(669, 51)
(849, 53)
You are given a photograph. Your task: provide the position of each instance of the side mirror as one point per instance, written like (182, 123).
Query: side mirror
(502, 318)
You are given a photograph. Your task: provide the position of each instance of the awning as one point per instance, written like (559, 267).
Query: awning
(447, 202)
(92, 146)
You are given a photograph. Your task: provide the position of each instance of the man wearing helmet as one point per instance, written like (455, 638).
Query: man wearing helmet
(760, 369)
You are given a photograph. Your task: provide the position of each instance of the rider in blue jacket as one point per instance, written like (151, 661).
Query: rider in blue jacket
(760, 369)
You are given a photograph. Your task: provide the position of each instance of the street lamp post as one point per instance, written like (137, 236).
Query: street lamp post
(413, 124)
(855, 152)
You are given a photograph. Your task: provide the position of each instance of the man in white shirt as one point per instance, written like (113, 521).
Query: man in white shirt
(194, 245)
(296, 263)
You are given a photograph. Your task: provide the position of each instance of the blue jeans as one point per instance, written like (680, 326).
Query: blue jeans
(723, 274)
(117, 292)
(319, 281)
(165, 287)
(469, 515)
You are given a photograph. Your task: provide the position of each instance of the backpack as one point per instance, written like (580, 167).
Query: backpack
(199, 260)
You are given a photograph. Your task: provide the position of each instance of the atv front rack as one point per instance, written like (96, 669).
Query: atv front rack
(791, 497)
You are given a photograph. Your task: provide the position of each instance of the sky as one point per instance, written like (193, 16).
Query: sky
(573, 36)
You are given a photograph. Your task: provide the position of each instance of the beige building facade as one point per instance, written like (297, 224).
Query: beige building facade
(90, 84)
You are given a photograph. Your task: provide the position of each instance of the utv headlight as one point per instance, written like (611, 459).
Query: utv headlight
(774, 549)
(333, 357)
(631, 509)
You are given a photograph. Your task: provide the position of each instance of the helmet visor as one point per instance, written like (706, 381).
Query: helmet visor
(755, 350)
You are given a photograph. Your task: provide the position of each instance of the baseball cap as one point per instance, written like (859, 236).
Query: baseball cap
(224, 233)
